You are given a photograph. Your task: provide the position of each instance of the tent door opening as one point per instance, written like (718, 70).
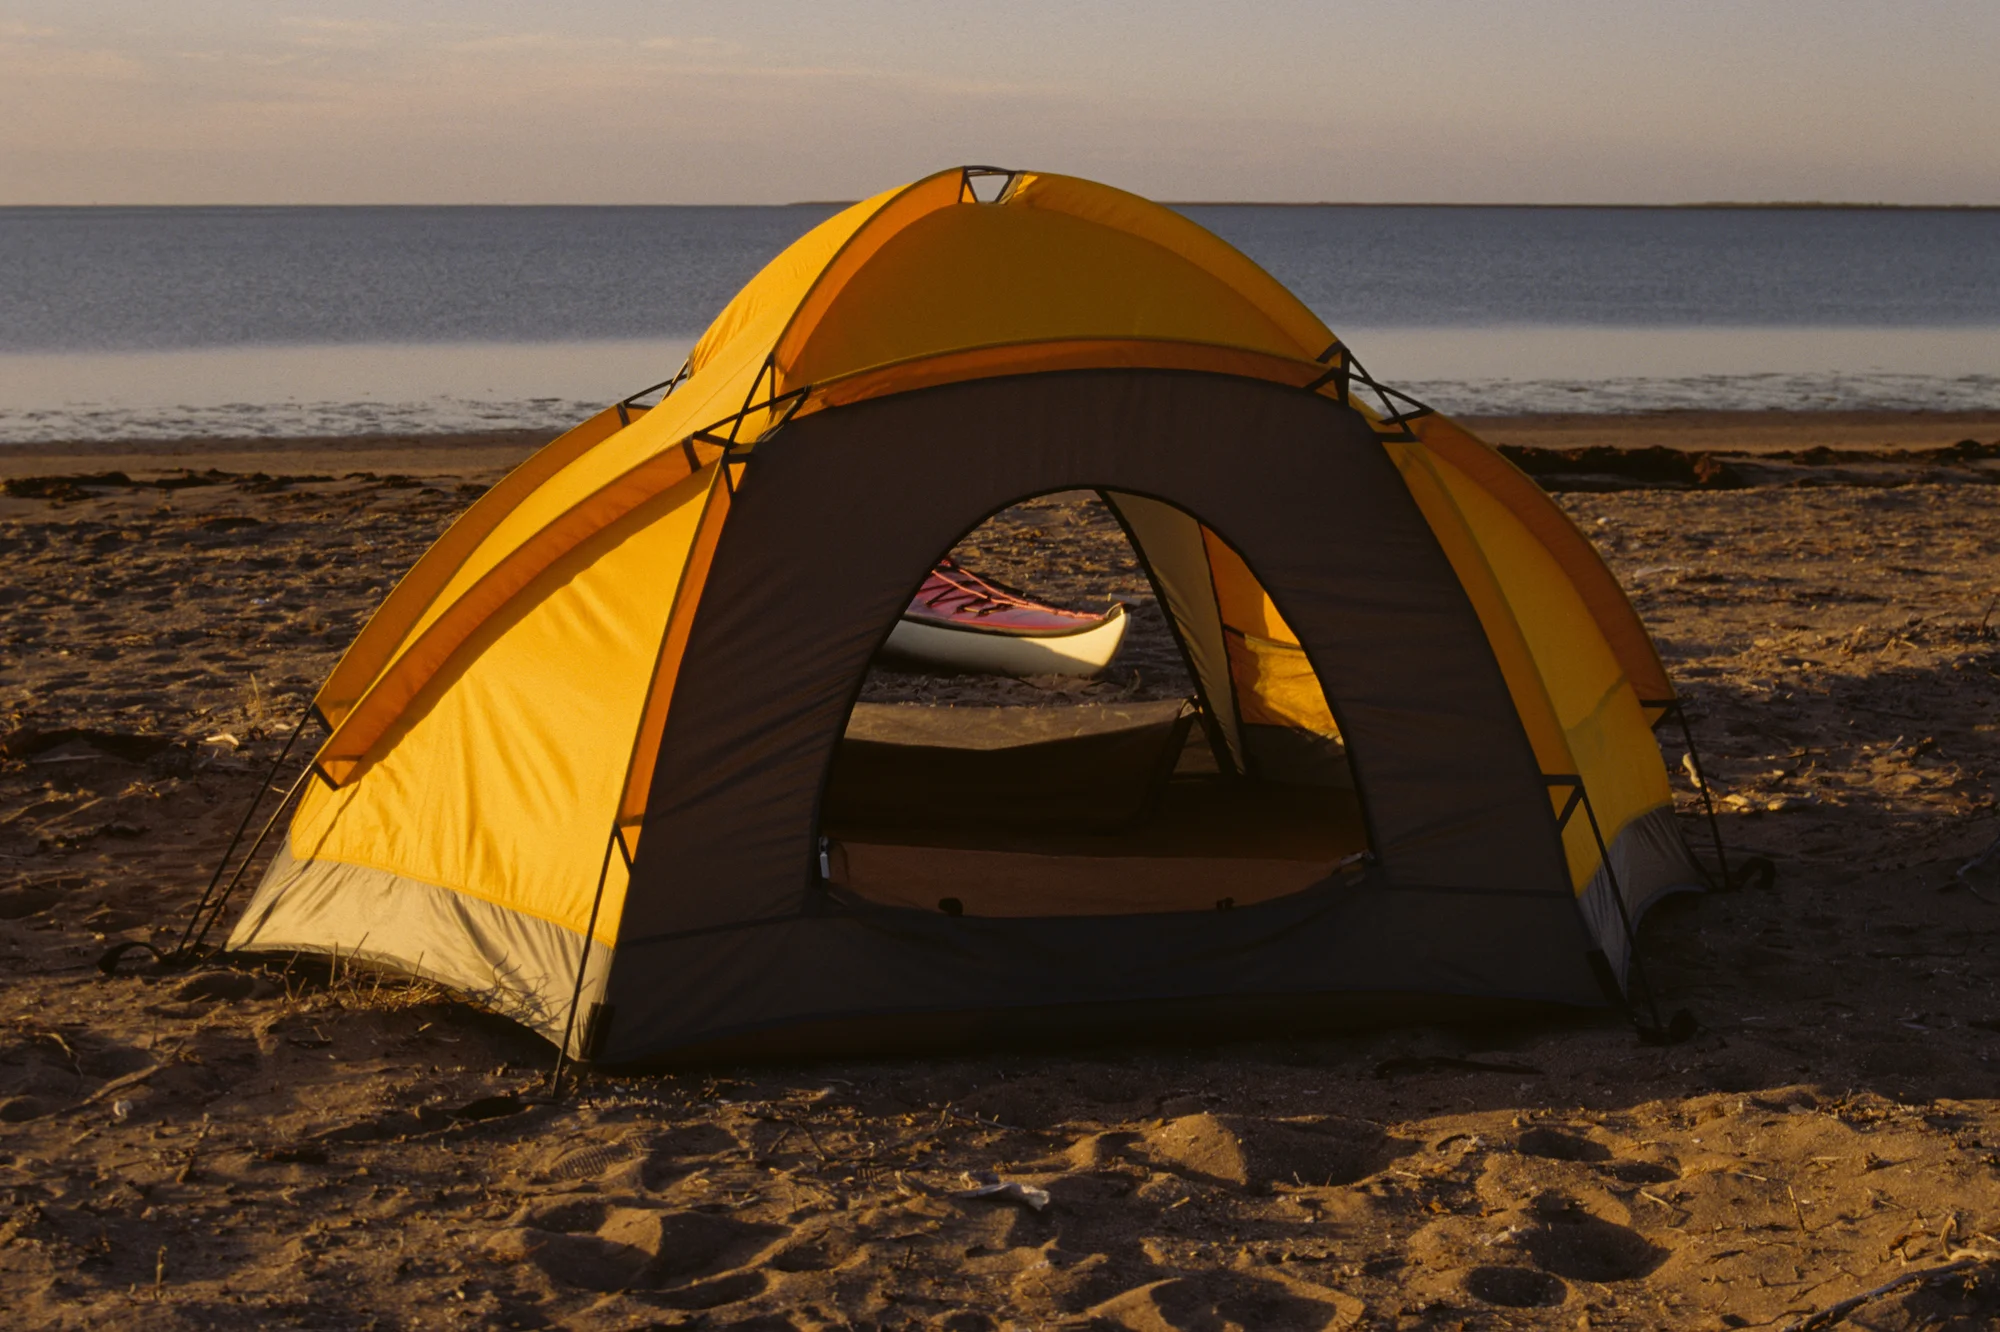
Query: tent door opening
(1201, 770)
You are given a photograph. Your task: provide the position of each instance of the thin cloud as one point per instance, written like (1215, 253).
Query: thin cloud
(530, 41)
(342, 27)
(707, 57)
(688, 44)
(48, 61)
(339, 34)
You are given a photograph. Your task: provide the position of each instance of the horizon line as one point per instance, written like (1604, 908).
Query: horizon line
(1797, 205)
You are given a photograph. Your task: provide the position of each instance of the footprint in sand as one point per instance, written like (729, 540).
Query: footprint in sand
(1515, 1287)
(1225, 1300)
(692, 1258)
(1251, 1152)
(1569, 1242)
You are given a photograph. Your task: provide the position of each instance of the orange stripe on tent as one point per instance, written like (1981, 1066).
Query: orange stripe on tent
(659, 698)
(341, 755)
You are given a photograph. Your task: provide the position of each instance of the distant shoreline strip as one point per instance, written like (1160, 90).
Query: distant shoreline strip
(1798, 206)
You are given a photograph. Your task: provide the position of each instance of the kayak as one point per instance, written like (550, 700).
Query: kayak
(962, 622)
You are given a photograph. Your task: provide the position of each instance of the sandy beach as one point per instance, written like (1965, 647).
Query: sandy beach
(305, 1146)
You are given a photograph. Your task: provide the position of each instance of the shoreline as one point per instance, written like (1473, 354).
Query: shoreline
(457, 453)
(1751, 432)
(477, 452)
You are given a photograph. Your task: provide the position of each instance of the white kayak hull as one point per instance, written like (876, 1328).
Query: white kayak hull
(990, 652)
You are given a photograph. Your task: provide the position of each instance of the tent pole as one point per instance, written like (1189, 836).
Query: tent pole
(1658, 1033)
(1701, 782)
(1211, 728)
(188, 934)
(223, 900)
(582, 966)
(1655, 1032)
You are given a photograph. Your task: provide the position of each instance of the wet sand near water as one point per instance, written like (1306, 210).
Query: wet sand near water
(482, 457)
(1739, 432)
(308, 1146)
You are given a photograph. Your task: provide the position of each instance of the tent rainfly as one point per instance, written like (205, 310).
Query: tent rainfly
(597, 761)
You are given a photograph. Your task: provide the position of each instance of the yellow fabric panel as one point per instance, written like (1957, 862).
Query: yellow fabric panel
(1619, 760)
(399, 612)
(767, 302)
(975, 275)
(1148, 221)
(1613, 747)
(441, 635)
(1570, 548)
(1246, 606)
(1510, 648)
(1273, 681)
(897, 211)
(1576, 664)
(500, 780)
(686, 600)
(1275, 685)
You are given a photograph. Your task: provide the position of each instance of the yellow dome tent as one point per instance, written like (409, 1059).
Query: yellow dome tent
(585, 762)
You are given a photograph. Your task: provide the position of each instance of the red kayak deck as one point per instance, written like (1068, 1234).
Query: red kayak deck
(956, 598)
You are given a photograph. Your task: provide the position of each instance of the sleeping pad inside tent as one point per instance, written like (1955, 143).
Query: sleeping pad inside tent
(598, 763)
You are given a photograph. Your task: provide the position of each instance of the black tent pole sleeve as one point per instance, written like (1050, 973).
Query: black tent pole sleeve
(278, 763)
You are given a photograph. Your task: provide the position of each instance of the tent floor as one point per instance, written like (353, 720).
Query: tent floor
(1206, 843)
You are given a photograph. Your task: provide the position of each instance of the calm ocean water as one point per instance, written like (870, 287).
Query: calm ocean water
(125, 322)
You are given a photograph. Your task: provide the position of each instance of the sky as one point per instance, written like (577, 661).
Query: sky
(772, 101)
